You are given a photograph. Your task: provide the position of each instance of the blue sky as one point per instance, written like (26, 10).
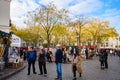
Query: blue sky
(104, 9)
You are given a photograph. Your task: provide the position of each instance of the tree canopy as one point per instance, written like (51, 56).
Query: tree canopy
(55, 26)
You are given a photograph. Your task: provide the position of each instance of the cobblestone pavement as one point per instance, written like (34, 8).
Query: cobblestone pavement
(91, 71)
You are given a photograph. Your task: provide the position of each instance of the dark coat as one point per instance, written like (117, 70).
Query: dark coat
(31, 56)
(106, 55)
(78, 64)
(41, 57)
(101, 56)
(58, 56)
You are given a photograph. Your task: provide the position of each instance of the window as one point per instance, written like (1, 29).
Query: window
(106, 44)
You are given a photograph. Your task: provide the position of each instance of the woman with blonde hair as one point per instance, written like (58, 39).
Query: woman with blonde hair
(76, 64)
(42, 62)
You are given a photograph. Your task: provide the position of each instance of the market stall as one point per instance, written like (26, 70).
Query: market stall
(15, 61)
(3, 48)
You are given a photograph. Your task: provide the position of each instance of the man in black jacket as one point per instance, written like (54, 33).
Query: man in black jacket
(58, 61)
(102, 59)
(106, 58)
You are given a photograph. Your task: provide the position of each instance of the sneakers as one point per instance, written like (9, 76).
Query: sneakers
(102, 68)
(28, 74)
(106, 67)
(45, 75)
(74, 78)
(34, 73)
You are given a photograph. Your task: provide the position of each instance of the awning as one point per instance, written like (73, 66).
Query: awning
(2, 33)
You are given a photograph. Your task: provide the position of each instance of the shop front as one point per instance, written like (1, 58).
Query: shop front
(4, 46)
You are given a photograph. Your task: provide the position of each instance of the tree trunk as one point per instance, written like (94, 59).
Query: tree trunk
(48, 41)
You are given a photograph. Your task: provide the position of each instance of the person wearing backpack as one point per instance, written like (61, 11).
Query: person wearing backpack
(31, 58)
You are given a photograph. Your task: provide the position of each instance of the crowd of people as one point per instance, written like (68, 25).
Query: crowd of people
(60, 56)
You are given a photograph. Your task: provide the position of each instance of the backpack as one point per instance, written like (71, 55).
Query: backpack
(102, 57)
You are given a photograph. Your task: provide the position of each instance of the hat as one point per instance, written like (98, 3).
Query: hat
(58, 45)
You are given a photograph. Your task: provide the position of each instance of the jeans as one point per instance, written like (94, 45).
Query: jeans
(59, 70)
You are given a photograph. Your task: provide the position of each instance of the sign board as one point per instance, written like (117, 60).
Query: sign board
(15, 41)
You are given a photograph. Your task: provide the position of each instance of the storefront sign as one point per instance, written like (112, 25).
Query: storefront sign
(15, 41)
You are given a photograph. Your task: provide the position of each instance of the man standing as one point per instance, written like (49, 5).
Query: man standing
(102, 59)
(58, 61)
(42, 62)
(31, 58)
(106, 59)
(86, 53)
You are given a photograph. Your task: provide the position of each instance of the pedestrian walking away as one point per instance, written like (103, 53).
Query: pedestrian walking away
(64, 55)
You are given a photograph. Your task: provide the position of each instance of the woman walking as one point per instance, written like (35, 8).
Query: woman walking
(64, 55)
(76, 64)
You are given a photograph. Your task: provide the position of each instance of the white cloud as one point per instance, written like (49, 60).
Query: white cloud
(76, 7)
(20, 9)
(86, 6)
(19, 22)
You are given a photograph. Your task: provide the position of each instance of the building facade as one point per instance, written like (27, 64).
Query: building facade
(4, 26)
(5, 15)
(111, 43)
